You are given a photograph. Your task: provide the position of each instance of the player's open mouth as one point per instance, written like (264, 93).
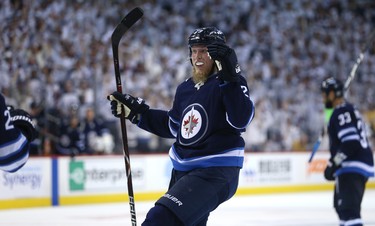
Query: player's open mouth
(199, 63)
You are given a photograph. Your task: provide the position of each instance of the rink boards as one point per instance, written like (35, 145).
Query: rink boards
(58, 181)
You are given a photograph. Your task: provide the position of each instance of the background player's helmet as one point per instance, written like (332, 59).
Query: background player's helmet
(206, 36)
(332, 84)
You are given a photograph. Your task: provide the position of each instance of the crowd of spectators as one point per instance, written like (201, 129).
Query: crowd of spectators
(56, 63)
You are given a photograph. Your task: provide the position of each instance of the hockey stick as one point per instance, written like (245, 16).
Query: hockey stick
(327, 113)
(352, 74)
(359, 60)
(127, 22)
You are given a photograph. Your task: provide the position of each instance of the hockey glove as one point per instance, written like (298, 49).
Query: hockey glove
(329, 172)
(22, 121)
(133, 106)
(228, 59)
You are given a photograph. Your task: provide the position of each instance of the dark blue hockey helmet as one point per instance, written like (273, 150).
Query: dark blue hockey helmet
(206, 36)
(332, 84)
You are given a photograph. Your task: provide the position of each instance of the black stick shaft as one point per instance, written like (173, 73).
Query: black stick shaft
(125, 142)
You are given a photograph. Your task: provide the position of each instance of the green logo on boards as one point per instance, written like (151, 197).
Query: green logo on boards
(76, 176)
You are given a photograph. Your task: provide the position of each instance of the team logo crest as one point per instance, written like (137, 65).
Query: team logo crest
(194, 124)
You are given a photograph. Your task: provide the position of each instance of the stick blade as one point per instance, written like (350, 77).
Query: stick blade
(127, 22)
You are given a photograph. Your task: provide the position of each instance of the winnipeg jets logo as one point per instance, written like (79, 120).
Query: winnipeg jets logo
(194, 124)
(191, 122)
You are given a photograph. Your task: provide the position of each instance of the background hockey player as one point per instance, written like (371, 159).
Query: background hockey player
(16, 133)
(209, 112)
(351, 161)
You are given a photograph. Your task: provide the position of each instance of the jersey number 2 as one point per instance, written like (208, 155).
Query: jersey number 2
(8, 125)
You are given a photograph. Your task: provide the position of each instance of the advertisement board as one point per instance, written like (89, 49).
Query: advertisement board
(272, 169)
(98, 179)
(93, 175)
(31, 185)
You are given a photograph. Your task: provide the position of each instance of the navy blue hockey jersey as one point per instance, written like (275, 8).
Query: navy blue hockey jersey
(207, 121)
(14, 147)
(347, 134)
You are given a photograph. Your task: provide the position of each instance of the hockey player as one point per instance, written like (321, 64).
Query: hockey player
(351, 162)
(16, 133)
(210, 111)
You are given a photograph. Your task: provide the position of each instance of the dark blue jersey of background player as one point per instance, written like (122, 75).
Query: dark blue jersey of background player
(351, 161)
(347, 134)
(16, 133)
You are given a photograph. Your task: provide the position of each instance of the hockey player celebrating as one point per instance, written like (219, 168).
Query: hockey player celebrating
(210, 111)
(351, 162)
(16, 133)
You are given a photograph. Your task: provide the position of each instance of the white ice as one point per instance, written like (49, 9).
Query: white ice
(290, 209)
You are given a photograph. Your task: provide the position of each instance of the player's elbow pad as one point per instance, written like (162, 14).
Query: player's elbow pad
(242, 118)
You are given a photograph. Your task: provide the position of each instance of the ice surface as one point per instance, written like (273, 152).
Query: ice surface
(290, 209)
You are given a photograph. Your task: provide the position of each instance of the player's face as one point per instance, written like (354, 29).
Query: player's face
(202, 62)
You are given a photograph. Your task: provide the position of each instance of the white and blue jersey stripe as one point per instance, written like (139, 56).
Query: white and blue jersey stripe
(233, 157)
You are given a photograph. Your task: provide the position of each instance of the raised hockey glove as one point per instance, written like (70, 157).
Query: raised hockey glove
(227, 57)
(22, 121)
(133, 106)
